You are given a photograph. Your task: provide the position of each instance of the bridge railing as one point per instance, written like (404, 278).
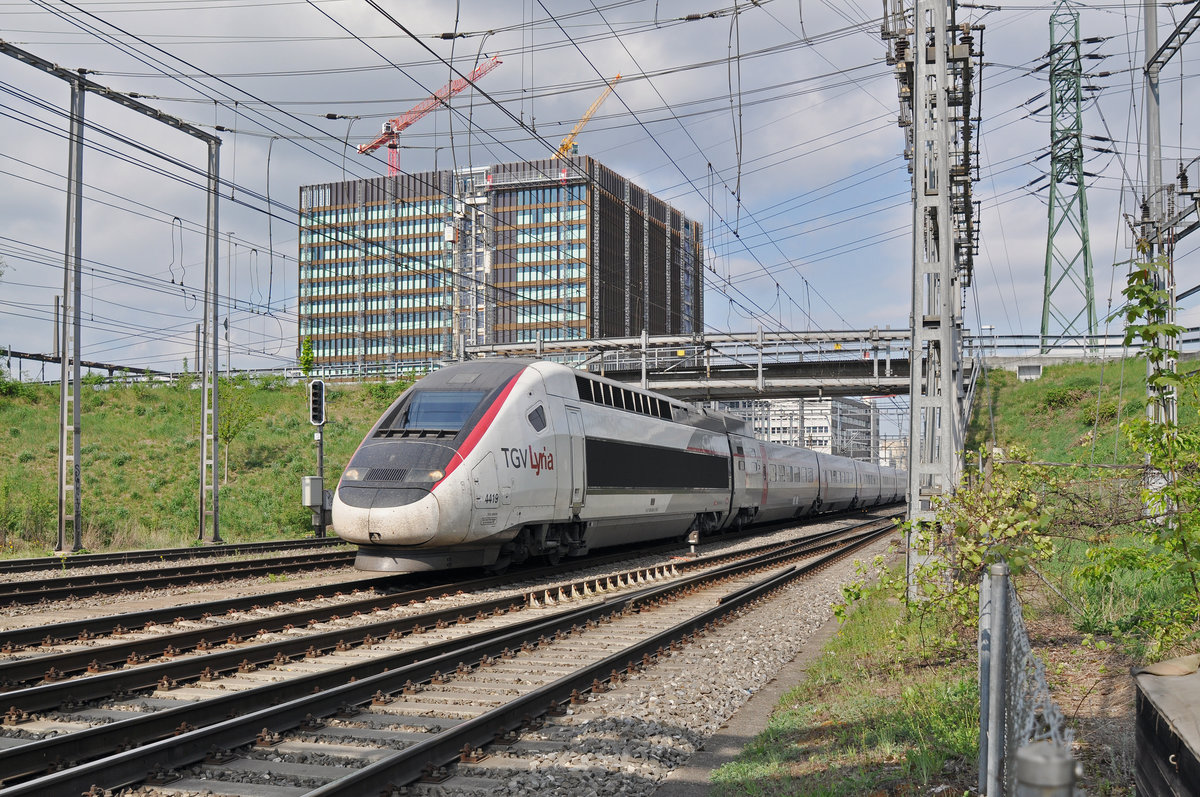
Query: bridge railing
(698, 351)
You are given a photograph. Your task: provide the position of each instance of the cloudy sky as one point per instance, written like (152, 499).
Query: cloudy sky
(773, 123)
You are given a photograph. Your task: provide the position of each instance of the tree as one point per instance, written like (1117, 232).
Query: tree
(1170, 545)
(306, 356)
(997, 514)
(236, 413)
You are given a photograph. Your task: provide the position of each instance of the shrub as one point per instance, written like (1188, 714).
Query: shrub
(1106, 410)
(12, 388)
(1058, 398)
(383, 394)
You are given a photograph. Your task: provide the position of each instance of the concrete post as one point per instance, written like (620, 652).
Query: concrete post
(1045, 769)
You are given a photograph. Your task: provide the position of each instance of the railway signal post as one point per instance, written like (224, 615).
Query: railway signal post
(314, 486)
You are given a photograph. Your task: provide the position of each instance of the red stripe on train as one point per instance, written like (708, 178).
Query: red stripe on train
(480, 429)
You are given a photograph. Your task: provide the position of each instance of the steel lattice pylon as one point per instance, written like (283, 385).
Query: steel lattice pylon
(1069, 296)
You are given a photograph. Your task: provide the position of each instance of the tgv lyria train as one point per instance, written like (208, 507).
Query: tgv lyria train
(490, 462)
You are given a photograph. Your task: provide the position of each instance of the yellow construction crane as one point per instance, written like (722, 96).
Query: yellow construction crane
(564, 148)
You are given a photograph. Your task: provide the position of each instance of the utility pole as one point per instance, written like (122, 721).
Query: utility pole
(69, 465)
(210, 370)
(1157, 229)
(933, 60)
(1068, 242)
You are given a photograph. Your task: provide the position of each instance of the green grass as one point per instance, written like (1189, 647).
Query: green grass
(141, 460)
(1071, 414)
(878, 711)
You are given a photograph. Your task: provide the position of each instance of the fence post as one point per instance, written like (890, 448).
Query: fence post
(997, 670)
(1045, 769)
(985, 661)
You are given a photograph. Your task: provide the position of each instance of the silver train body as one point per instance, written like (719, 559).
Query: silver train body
(490, 462)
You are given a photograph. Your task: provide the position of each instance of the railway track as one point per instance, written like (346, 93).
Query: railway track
(429, 680)
(76, 561)
(115, 583)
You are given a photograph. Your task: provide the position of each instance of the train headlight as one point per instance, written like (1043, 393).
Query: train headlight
(436, 475)
(354, 474)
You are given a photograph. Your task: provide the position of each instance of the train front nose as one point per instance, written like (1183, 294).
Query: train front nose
(390, 516)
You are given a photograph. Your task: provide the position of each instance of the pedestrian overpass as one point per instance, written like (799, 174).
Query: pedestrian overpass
(738, 366)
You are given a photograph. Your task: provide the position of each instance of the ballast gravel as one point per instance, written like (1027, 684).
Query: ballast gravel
(626, 741)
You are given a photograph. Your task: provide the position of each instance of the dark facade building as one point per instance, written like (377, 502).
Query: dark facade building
(410, 269)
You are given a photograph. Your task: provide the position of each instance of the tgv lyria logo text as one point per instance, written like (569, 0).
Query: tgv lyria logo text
(537, 461)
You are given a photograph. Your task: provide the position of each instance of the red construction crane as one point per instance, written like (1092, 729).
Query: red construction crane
(392, 127)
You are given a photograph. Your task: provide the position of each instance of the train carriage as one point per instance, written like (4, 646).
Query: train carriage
(490, 462)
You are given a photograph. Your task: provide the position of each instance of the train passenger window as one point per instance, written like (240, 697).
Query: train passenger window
(537, 418)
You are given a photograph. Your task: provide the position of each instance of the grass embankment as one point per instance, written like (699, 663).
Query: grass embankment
(141, 459)
(879, 714)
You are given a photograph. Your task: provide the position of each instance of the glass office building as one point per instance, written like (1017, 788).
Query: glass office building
(411, 269)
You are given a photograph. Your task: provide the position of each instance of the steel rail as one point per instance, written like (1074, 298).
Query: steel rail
(250, 710)
(56, 666)
(285, 704)
(104, 681)
(171, 673)
(90, 628)
(71, 561)
(30, 592)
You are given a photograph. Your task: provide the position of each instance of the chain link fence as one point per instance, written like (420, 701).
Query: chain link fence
(1024, 741)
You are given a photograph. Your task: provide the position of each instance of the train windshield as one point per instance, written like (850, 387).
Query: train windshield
(441, 410)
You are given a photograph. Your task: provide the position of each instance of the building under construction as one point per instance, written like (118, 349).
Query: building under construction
(407, 270)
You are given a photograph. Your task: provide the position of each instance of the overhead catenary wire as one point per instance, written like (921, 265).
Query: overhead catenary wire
(754, 238)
